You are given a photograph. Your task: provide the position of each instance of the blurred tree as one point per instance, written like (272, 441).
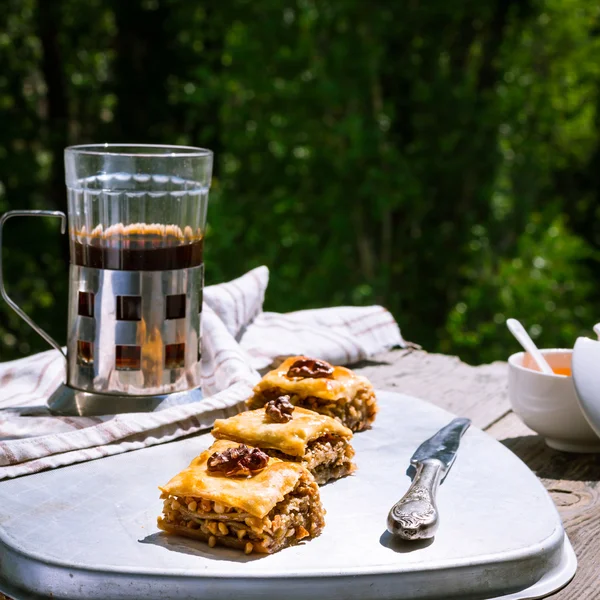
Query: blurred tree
(441, 159)
(527, 259)
(32, 257)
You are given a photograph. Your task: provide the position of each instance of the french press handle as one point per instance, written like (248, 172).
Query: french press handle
(15, 307)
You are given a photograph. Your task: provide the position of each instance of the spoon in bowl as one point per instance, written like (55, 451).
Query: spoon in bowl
(528, 344)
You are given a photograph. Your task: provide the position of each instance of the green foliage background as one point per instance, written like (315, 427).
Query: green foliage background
(441, 158)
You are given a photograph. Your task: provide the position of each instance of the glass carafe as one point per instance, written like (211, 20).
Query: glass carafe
(136, 220)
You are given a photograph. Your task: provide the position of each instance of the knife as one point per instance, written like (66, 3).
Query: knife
(415, 515)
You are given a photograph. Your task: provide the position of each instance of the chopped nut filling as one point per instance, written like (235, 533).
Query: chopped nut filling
(356, 413)
(328, 457)
(299, 515)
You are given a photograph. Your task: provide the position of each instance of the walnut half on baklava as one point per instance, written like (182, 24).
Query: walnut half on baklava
(237, 496)
(316, 385)
(320, 443)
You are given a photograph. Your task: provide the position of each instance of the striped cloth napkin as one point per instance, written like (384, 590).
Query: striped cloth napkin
(238, 341)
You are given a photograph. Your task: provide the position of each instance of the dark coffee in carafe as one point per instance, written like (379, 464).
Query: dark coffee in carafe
(138, 247)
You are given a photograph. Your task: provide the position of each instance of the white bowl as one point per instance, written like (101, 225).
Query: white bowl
(548, 404)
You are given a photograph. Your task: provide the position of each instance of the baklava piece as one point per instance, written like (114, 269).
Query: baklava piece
(284, 431)
(237, 496)
(316, 385)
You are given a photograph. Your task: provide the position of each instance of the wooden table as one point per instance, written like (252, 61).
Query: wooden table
(480, 393)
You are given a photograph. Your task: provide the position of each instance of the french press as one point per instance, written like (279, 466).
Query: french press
(137, 216)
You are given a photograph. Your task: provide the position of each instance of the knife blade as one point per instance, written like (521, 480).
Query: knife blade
(415, 515)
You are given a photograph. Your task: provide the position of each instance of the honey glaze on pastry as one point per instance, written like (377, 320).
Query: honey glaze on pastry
(316, 385)
(263, 511)
(320, 443)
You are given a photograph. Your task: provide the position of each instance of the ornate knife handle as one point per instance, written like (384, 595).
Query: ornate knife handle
(415, 515)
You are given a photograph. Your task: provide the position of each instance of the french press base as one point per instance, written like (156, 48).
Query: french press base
(68, 401)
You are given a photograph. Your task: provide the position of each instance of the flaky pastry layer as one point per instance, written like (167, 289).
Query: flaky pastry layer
(256, 428)
(255, 495)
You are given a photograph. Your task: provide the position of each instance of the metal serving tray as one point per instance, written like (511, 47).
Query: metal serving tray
(89, 530)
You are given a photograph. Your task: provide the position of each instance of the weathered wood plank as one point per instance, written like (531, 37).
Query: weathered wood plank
(510, 426)
(478, 393)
